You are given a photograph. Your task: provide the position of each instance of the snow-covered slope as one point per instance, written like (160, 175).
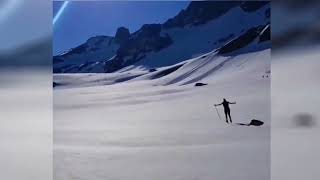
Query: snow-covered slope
(154, 128)
(189, 71)
(196, 40)
(200, 28)
(141, 125)
(148, 120)
(205, 67)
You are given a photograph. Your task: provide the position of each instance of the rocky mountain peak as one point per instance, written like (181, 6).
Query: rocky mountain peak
(147, 39)
(122, 35)
(109, 54)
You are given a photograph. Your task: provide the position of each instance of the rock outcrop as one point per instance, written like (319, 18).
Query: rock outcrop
(147, 39)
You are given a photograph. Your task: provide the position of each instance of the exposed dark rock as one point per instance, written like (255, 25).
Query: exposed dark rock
(147, 39)
(251, 6)
(255, 122)
(126, 78)
(200, 12)
(268, 13)
(57, 70)
(91, 45)
(113, 64)
(82, 66)
(226, 38)
(200, 84)
(165, 72)
(152, 70)
(57, 60)
(242, 40)
(122, 35)
(151, 38)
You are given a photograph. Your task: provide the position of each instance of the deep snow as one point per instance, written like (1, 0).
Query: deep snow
(165, 128)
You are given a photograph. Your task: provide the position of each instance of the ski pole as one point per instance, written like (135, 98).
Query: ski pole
(218, 113)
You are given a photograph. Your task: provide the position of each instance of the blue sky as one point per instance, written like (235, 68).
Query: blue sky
(83, 19)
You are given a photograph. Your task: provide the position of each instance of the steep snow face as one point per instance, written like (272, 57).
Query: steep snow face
(192, 41)
(154, 127)
(210, 66)
(88, 57)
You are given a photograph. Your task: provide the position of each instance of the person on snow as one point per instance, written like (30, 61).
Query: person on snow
(226, 107)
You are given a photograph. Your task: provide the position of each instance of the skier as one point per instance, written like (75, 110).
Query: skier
(226, 107)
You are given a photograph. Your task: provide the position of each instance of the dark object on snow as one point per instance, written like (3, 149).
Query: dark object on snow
(165, 72)
(242, 41)
(200, 84)
(152, 70)
(255, 122)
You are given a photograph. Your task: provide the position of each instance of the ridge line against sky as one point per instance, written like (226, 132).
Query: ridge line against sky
(73, 27)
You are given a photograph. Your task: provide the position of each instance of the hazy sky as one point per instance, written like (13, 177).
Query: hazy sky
(82, 20)
(23, 21)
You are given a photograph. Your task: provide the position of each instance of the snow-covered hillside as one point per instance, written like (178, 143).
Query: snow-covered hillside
(147, 119)
(200, 28)
(196, 40)
(160, 126)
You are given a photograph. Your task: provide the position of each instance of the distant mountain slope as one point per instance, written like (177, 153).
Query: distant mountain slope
(200, 28)
(88, 57)
(225, 60)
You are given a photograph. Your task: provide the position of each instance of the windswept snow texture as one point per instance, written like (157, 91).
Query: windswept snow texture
(164, 128)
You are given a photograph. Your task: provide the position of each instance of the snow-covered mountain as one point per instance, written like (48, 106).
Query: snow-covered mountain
(200, 28)
(148, 119)
(158, 125)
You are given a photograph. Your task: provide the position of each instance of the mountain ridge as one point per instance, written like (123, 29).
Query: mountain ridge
(109, 54)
